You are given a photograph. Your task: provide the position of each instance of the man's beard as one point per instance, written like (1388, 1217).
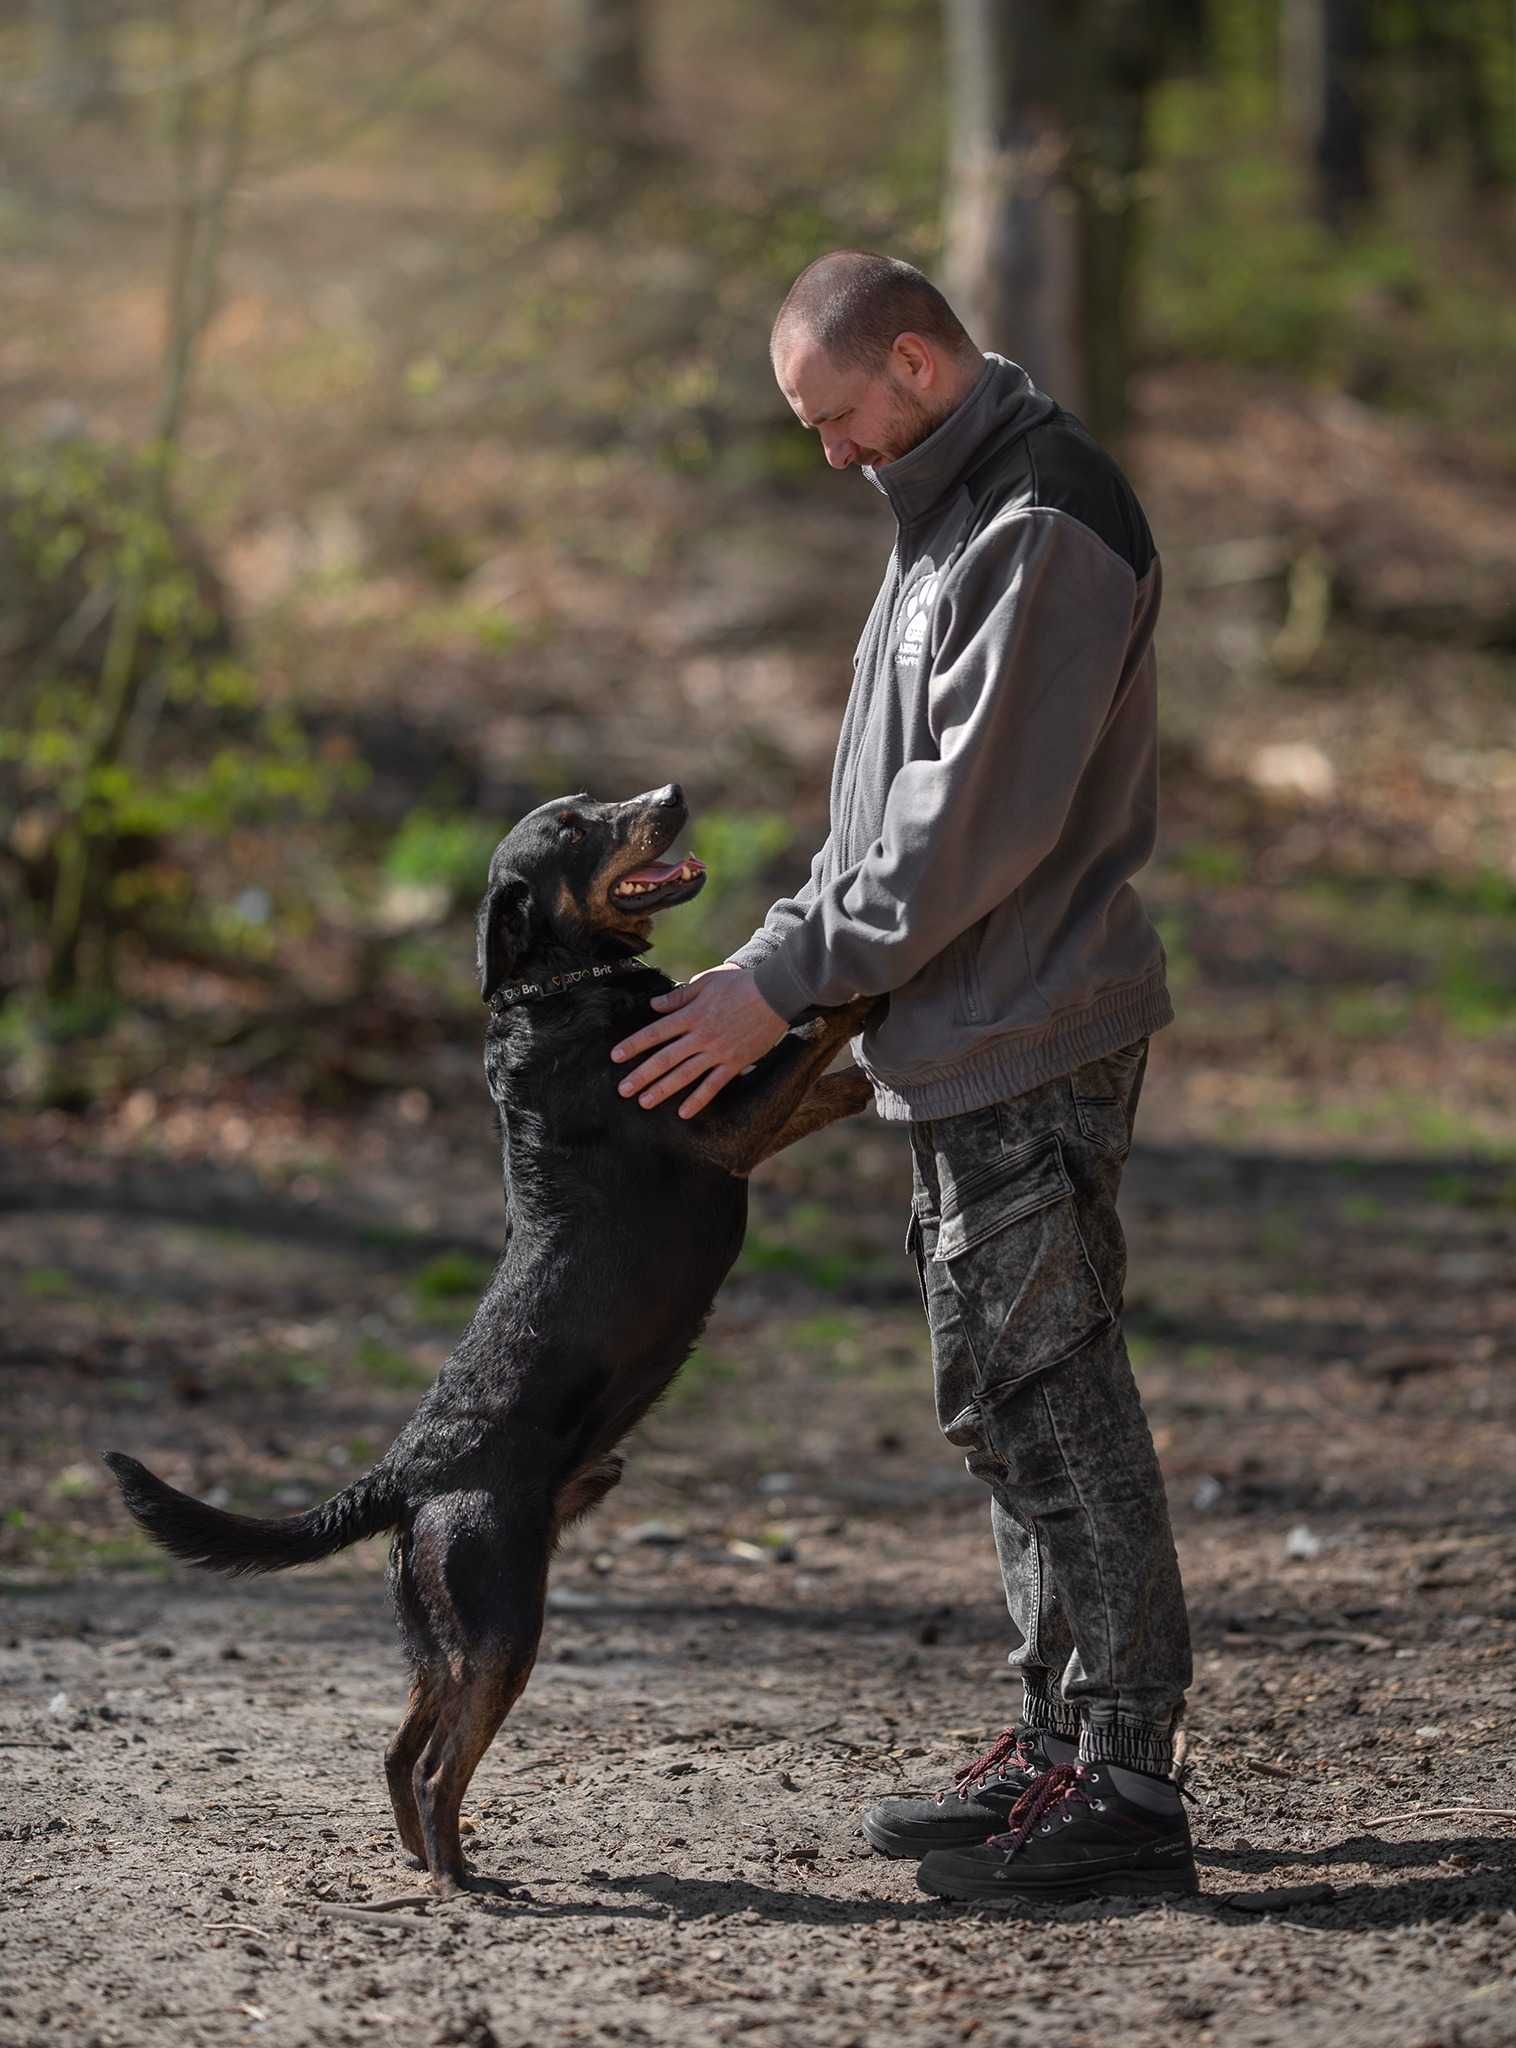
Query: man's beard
(911, 421)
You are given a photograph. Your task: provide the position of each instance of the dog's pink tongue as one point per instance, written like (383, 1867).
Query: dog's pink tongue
(659, 871)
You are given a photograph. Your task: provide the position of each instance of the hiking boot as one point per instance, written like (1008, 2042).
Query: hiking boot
(1080, 1831)
(976, 1805)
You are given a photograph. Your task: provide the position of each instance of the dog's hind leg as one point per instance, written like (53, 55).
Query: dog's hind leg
(473, 1706)
(400, 1760)
(479, 1570)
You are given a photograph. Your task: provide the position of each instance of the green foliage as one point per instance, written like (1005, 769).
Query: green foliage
(390, 1368)
(831, 1342)
(1453, 934)
(1205, 861)
(459, 623)
(47, 1283)
(740, 850)
(129, 733)
(451, 848)
(1477, 1002)
(763, 1253)
(702, 1374)
(1369, 1013)
(1236, 266)
(450, 1278)
(1173, 928)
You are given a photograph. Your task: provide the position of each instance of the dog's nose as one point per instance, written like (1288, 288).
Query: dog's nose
(670, 797)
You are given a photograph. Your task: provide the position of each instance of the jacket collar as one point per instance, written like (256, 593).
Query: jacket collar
(1003, 404)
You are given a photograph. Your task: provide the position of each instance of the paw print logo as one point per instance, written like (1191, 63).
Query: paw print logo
(918, 615)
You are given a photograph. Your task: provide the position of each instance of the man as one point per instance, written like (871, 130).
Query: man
(995, 787)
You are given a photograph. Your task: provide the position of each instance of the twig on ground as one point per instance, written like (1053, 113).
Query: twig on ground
(1256, 1763)
(1307, 1638)
(1382, 1820)
(372, 1923)
(1280, 1899)
(234, 1927)
(390, 1905)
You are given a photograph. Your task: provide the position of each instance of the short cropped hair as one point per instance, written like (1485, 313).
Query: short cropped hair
(855, 304)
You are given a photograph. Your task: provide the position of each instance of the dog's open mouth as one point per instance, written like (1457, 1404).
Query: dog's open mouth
(660, 883)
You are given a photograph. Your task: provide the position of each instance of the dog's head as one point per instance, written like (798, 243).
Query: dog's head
(582, 879)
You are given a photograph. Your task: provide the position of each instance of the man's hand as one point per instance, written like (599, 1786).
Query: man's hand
(712, 1028)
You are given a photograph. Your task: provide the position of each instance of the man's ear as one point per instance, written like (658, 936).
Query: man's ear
(505, 930)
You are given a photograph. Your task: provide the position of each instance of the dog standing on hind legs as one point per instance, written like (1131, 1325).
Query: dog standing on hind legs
(621, 1226)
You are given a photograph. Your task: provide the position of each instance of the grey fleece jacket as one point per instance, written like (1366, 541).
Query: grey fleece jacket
(996, 780)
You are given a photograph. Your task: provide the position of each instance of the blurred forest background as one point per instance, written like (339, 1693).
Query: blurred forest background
(389, 444)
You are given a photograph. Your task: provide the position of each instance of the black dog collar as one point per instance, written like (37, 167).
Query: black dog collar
(555, 984)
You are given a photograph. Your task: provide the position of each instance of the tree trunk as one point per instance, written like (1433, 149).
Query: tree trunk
(1344, 181)
(1012, 261)
(600, 63)
(1302, 70)
(1048, 104)
(72, 39)
(1488, 169)
(1466, 83)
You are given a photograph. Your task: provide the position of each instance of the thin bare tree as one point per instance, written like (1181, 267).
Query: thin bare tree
(1048, 100)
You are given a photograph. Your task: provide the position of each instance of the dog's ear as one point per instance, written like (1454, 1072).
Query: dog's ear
(505, 930)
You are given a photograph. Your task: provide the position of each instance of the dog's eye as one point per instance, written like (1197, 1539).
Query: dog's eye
(571, 828)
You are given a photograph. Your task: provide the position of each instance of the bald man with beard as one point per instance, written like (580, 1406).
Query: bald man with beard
(995, 790)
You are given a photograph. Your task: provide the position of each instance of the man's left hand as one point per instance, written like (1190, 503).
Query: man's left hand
(709, 1032)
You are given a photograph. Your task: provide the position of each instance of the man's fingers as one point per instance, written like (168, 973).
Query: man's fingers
(676, 998)
(709, 1088)
(649, 1036)
(659, 1063)
(679, 1078)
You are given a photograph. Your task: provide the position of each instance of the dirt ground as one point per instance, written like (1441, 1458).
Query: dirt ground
(788, 1609)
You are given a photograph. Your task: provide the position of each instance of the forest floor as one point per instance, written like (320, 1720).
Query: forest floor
(789, 1608)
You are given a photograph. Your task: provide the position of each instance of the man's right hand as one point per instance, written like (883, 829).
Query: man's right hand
(729, 1027)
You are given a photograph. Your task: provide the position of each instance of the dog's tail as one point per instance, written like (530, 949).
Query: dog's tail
(242, 1544)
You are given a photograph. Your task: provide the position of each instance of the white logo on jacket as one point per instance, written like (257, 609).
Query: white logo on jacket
(918, 616)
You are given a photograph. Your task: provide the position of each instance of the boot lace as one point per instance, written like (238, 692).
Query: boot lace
(1008, 1749)
(1063, 1784)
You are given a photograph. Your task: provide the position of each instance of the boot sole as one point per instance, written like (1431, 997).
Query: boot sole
(921, 1841)
(1118, 1884)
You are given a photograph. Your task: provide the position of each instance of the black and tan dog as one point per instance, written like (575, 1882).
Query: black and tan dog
(622, 1224)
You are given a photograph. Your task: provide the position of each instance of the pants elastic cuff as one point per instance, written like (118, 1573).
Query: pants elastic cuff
(1045, 1710)
(1135, 1745)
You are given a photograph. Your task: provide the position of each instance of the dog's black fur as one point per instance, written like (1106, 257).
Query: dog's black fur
(622, 1224)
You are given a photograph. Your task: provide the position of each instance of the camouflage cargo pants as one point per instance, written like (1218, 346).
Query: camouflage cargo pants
(1022, 1263)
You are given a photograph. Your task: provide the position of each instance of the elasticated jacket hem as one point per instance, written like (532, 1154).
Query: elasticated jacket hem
(1024, 1059)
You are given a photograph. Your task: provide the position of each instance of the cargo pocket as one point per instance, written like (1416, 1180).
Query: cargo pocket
(1011, 1250)
(917, 1256)
(1102, 1097)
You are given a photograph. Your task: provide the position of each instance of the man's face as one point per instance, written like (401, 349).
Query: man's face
(862, 416)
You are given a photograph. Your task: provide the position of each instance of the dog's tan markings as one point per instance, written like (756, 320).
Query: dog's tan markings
(482, 1635)
(411, 1738)
(469, 1717)
(585, 1490)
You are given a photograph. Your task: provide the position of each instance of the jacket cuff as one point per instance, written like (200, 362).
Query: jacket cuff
(757, 948)
(780, 987)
